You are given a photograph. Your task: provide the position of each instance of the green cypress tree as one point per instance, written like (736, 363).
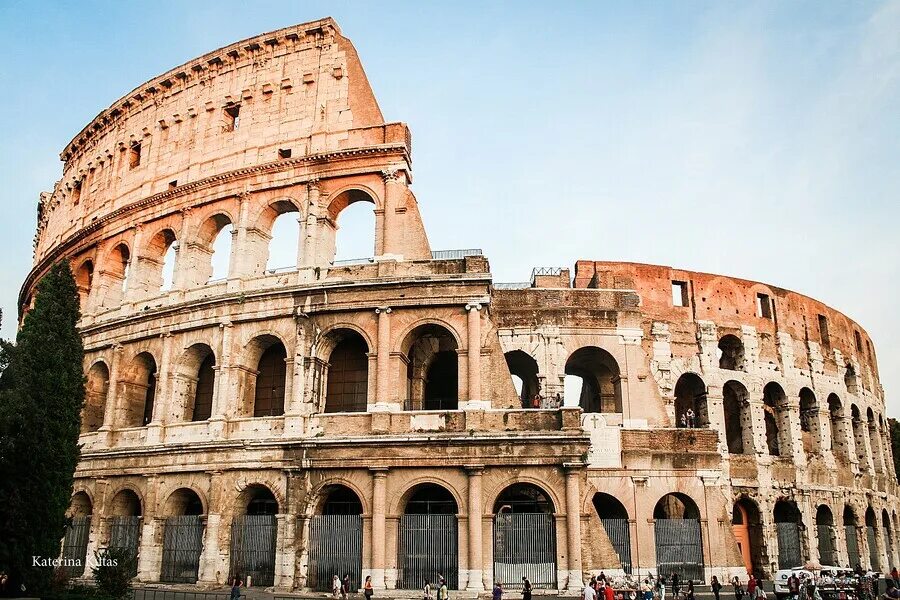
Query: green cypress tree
(894, 427)
(41, 396)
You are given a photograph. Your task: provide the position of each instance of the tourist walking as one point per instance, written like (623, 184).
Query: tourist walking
(345, 587)
(443, 592)
(738, 588)
(368, 591)
(335, 586)
(589, 592)
(661, 587)
(675, 585)
(235, 587)
(751, 587)
(690, 592)
(526, 589)
(426, 591)
(498, 591)
(715, 586)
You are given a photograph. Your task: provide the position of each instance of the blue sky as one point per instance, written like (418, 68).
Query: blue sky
(759, 140)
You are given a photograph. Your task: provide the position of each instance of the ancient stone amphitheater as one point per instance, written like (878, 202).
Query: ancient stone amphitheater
(405, 416)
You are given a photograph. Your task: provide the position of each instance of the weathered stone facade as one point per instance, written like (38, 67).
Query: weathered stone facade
(281, 391)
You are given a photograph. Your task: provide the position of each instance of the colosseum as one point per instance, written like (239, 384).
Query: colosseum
(404, 415)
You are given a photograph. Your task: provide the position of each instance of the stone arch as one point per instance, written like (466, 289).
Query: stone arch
(194, 382)
(430, 498)
(115, 274)
(851, 538)
(838, 438)
(401, 497)
(859, 435)
(731, 353)
(314, 500)
(826, 537)
(338, 499)
(887, 534)
(126, 502)
(266, 389)
(327, 338)
(184, 501)
(690, 401)
(279, 223)
(96, 392)
(601, 383)
(523, 369)
(257, 499)
(346, 372)
(213, 237)
(155, 265)
(809, 422)
(788, 524)
(738, 420)
(746, 524)
(679, 543)
(432, 367)
(524, 497)
(875, 441)
(777, 420)
(80, 505)
(84, 279)
(676, 505)
(137, 406)
(337, 204)
(851, 379)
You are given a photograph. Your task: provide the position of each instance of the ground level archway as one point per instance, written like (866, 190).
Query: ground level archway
(428, 540)
(524, 537)
(336, 539)
(679, 543)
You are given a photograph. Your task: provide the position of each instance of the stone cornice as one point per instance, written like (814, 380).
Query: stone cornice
(60, 249)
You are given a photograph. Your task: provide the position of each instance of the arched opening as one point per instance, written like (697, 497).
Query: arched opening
(679, 545)
(731, 353)
(78, 528)
(737, 418)
(282, 219)
(84, 279)
(875, 442)
(432, 377)
(428, 538)
(850, 536)
(851, 379)
(524, 537)
(168, 268)
(888, 536)
(125, 525)
(826, 536)
(211, 252)
(809, 422)
(182, 537)
(254, 530)
(336, 538)
(872, 541)
(352, 213)
(777, 420)
(195, 379)
(859, 437)
(347, 374)
(96, 390)
(524, 372)
(788, 523)
(139, 391)
(601, 387)
(156, 264)
(838, 436)
(614, 517)
(271, 374)
(690, 402)
(115, 276)
(746, 525)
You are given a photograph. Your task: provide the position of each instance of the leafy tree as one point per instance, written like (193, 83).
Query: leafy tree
(113, 572)
(895, 445)
(41, 396)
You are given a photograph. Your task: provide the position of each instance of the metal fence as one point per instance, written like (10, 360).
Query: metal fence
(414, 404)
(789, 551)
(852, 544)
(525, 546)
(75, 546)
(874, 562)
(619, 534)
(827, 547)
(156, 594)
(450, 254)
(349, 262)
(335, 548)
(125, 535)
(253, 548)
(679, 548)
(427, 548)
(182, 544)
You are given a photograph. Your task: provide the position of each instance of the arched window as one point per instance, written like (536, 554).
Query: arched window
(338, 516)
(851, 380)
(601, 388)
(220, 259)
(168, 269)
(432, 380)
(157, 263)
(838, 434)
(96, 391)
(731, 353)
(428, 537)
(115, 274)
(679, 547)
(281, 219)
(340, 500)
(203, 396)
(888, 536)
(737, 418)
(209, 256)
(78, 528)
(859, 436)
(84, 279)
(194, 384)
(125, 525)
(254, 532)
(875, 442)
(809, 422)
(139, 387)
(524, 371)
(777, 420)
(270, 382)
(871, 540)
(826, 536)
(350, 230)
(690, 402)
(523, 498)
(747, 528)
(348, 375)
(850, 536)
(182, 537)
(787, 526)
(614, 518)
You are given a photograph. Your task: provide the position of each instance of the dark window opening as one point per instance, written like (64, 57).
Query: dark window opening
(348, 377)
(601, 385)
(731, 353)
(858, 339)
(523, 498)
(823, 330)
(76, 192)
(441, 391)
(173, 184)
(203, 397)
(342, 501)
(524, 371)
(284, 153)
(763, 306)
(232, 115)
(690, 402)
(262, 502)
(680, 293)
(269, 401)
(431, 499)
(134, 155)
(150, 397)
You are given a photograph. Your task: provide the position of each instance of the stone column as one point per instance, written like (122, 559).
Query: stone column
(130, 292)
(150, 550)
(379, 493)
(310, 231)
(210, 569)
(473, 356)
(393, 190)
(180, 276)
(476, 561)
(573, 526)
(383, 360)
(112, 393)
(222, 385)
(794, 435)
(284, 552)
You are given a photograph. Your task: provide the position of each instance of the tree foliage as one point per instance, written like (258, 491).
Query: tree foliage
(895, 445)
(41, 395)
(113, 572)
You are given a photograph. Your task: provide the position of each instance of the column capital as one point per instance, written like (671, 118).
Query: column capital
(313, 182)
(473, 306)
(379, 472)
(572, 468)
(474, 469)
(383, 309)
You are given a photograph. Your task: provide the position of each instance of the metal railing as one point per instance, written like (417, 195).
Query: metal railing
(352, 261)
(289, 269)
(460, 253)
(415, 404)
(546, 271)
(157, 594)
(512, 285)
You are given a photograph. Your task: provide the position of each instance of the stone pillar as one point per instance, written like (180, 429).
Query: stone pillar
(390, 237)
(210, 571)
(310, 230)
(573, 526)
(180, 276)
(379, 508)
(223, 384)
(473, 356)
(476, 561)
(150, 550)
(131, 290)
(793, 437)
(112, 393)
(383, 360)
(285, 553)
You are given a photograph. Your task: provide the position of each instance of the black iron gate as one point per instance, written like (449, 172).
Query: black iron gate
(525, 546)
(874, 563)
(182, 545)
(335, 548)
(827, 548)
(789, 552)
(619, 534)
(253, 548)
(75, 546)
(125, 535)
(427, 548)
(679, 548)
(852, 545)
